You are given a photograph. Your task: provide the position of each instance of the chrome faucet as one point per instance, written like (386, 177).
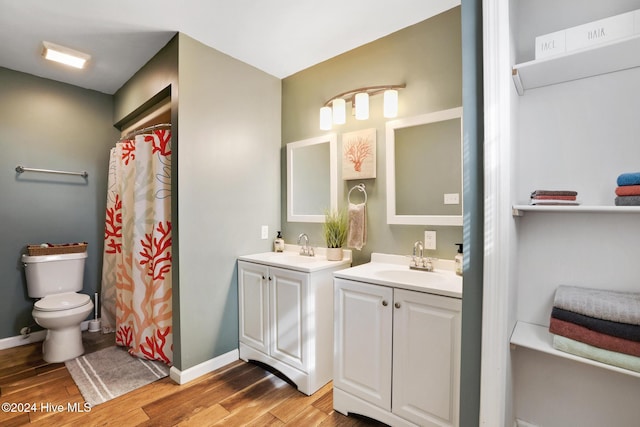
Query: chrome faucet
(418, 260)
(419, 248)
(305, 250)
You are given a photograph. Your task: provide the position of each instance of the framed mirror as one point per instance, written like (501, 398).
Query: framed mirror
(424, 169)
(312, 178)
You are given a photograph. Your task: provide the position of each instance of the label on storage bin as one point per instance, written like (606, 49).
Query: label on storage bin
(550, 44)
(596, 32)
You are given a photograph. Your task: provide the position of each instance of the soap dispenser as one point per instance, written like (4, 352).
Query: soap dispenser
(278, 243)
(458, 260)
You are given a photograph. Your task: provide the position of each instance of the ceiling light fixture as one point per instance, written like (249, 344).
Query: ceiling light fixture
(333, 111)
(64, 55)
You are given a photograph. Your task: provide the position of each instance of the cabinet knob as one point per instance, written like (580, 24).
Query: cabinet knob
(263, 277)
(269, 277)
(397, 305)
(385, 303)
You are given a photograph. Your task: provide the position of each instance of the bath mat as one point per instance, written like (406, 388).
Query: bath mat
(111, 372)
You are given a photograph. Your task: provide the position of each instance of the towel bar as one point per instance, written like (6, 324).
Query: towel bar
(21, 169)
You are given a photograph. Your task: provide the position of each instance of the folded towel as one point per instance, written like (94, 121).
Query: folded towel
(553, 202)
(632, 178)
(594, 353)
(357, 236)
(596, 339)
(616, 306)
(554, 193)
(628, 190)
(553, 197)
(627, 201)
(616, 329)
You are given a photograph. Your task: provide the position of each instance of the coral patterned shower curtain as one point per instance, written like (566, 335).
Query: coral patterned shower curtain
(136, 272)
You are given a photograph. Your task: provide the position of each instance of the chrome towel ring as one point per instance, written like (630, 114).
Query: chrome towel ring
(359, 187)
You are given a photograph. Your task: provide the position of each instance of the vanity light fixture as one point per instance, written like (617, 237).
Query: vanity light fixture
(64, 55)
(334, 110)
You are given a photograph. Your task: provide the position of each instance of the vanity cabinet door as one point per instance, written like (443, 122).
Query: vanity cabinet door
(253, 300)
(426, 355)
(289, 320)
(363, 342)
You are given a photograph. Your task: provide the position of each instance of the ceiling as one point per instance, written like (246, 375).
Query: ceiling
(280, 37)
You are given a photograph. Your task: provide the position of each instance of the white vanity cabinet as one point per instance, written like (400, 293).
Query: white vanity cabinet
(397, 354)
(286, 318)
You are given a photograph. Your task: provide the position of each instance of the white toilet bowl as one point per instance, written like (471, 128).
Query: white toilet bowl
(61, 315)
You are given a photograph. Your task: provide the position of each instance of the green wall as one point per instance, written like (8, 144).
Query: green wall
(228, 187)
(225, 178)
(49, 125)
(427, 57)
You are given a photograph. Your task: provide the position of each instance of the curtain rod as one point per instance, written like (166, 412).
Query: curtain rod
(144, 130)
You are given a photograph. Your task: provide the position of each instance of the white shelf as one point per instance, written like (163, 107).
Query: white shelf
(539, 338)
(519, 210)
(600, 59)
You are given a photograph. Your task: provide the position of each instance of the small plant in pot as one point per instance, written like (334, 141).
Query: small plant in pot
(335, 233)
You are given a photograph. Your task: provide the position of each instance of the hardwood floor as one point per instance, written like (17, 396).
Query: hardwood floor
(239, 394)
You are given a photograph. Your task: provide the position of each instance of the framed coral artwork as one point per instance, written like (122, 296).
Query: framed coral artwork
(359, 154)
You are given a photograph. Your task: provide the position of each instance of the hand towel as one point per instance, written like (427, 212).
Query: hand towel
(554, 202)
(594, 353)
(628, 190)
(616, 306)
(357, 236)
(596, 339)
(627, 201)
(554, 193)
(616, 329)
(553, 197)
(632, 178)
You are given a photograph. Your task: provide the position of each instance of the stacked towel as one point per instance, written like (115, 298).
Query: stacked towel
(554, 197)
(597, 324)
(628, 190)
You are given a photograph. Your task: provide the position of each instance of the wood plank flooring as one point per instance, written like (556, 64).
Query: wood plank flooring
(239, 394)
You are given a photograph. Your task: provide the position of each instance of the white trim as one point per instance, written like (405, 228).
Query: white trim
(19, 340)
(494, 406)
(390, 127)
(189, 374)
(36, 336)
(332, 140)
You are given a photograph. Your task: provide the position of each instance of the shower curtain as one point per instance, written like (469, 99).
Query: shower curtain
(136, 272)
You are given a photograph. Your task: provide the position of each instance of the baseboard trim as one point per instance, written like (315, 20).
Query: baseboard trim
(36, 336)
(19, 340)
(190, 374)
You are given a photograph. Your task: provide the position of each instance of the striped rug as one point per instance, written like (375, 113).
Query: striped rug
(111, 372)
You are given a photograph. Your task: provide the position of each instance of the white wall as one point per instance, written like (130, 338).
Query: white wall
(576, 136)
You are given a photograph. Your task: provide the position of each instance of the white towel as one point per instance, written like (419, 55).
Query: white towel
(357, 236)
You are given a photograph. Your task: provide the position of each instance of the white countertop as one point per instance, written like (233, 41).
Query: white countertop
(292, 259)
(393, 271)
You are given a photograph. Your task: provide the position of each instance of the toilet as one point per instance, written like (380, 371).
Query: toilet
(55, 281)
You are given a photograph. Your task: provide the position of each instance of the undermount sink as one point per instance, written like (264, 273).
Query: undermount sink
(393, 270)
(413, 276)
(294, 259)
(291, 259)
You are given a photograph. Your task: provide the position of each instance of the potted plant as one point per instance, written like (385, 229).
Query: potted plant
(335, 233)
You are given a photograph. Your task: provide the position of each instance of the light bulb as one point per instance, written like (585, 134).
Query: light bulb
(325, 118)
(390, 103)
(362, 106)
(339, 111)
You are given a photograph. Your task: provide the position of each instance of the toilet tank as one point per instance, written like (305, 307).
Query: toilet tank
(53, 274)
